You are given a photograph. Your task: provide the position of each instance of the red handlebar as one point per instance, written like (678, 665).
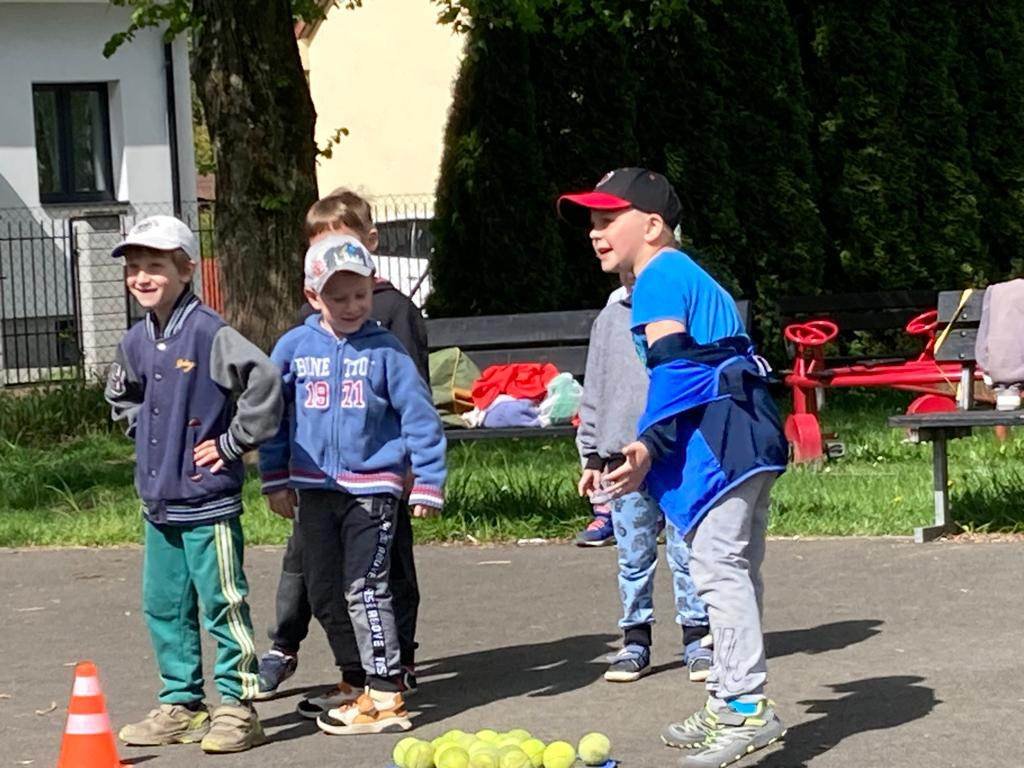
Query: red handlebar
(814, 333)
(924, 324)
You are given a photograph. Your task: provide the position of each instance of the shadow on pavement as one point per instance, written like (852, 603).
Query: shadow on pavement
(298, 726)
(821, 639)
(873, 704)
(464, 682)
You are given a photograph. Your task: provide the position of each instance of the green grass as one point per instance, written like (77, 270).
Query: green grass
(78, 490)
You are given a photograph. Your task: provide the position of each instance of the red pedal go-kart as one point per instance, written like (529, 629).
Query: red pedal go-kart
(936, 381)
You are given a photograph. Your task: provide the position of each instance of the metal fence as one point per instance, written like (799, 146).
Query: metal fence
(63, 302)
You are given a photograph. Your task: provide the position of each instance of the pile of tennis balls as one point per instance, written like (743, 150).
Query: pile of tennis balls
(490, 749)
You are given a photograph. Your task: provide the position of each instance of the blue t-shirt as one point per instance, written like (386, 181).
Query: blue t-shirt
(673, 287)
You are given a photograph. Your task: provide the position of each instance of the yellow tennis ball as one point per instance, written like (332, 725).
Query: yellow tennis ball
(438, 743)
(419, 755)
(483, 755)
(559, 754)
(444, 747)
(487, 735)
(506, 740)
(454, 735)
(513, 757)
(453, 756)
(465, 741)
(398, 753)
(595, 749)
(519, 735)
(534, 749)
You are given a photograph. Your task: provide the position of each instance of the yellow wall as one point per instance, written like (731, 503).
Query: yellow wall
(384, 71)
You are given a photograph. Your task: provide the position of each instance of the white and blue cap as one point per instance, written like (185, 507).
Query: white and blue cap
(336, 253)
(161, 233)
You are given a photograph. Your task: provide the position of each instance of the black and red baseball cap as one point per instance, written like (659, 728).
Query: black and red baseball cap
(623, 188)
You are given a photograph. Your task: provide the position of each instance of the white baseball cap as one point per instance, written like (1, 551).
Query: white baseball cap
(161, 233)
(336, 253)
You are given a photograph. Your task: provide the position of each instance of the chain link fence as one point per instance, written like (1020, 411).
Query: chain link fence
(63, 302)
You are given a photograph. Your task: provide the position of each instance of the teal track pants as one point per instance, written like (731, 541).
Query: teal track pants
(190, 570)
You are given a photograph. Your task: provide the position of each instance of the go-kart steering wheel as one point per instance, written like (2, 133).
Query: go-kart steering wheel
(924, 324)
(814, 333)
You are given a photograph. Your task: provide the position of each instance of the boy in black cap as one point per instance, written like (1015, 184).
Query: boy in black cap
(709, 448)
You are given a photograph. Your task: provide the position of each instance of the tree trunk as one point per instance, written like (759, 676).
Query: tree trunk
(245, 64)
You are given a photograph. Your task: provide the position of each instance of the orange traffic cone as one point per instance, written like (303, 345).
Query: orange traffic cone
(88, 740)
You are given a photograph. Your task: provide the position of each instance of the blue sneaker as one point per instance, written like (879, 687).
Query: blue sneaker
(698, 658)
(275, 668)
(600, 532)
(629, 664)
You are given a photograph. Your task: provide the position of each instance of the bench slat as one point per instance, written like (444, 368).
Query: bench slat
(912, 301)
(457, 435)
(495, 331)
(958, 419)
(959, 342)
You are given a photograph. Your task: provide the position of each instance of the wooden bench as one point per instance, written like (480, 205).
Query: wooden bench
(957, 345)
(559, 338)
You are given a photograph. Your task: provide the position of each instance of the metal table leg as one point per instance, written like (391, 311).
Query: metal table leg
(940, 483)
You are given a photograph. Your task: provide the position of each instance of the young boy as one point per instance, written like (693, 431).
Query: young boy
(346, 213)
(710, 447)
(613, 399)
(196, 396)
(359, 415)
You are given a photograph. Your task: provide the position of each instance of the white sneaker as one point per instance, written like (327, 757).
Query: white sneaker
(1008, 398)
(340, 696)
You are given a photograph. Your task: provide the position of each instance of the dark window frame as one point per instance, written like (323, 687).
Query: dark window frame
(65, 143)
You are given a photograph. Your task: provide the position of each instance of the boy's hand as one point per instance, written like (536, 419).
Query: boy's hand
(206, 453)
(590, 482)
(422, 510)
(283, 502)
(630, 476)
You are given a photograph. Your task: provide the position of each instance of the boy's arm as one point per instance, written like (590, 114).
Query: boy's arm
(275, 453)
(586, 433)
(238, 365)
(422, 429)
(124, 391)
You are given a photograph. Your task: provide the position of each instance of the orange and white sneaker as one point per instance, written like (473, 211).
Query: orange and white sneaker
(342, 695)
(373, 712)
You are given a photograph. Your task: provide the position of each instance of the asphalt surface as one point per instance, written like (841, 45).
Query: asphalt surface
(882, 653)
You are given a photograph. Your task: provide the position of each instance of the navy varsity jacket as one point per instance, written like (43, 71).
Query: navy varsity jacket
(195, 380)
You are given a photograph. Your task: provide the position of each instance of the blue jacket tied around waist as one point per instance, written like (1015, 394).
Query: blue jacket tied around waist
(359, 414)
(710, 424)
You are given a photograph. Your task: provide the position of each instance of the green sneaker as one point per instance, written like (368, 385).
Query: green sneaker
(233, 728)
(168, 724)
(690, 733)
(734, 735)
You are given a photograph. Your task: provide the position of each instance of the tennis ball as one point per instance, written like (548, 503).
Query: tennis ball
(595, 749)
(452, 756)
(506, 740)
(519, 735)
(559, 754)
(454, 735)
(534, 749)
(438, 743)
(513, 757)
(398, 754)
(419, 755)
(465, 741)
(483, 755)
(487, 735)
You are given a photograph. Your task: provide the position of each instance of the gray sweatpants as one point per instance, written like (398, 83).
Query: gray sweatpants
(726, 552)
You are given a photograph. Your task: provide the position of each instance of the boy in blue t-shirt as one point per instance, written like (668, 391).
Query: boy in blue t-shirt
(709, 448)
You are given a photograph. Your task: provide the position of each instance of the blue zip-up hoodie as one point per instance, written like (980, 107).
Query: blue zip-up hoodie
(197, 379)
(359, 414)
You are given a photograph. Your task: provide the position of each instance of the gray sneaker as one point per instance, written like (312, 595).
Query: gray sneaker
(733, 736)
(167, 724)
(233, 728)
(690, 733)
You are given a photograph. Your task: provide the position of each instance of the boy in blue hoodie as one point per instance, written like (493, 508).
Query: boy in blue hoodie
(359, 414)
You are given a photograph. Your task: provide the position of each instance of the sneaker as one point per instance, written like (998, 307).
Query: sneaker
(373, 712)
(690, 733)
(1008, 398)
(698, 658)
(340, 696)
(408, 680)
(629, 664)
(734, 735)
(167, 724)
(275, 668)
(233, 728)
(600, 533)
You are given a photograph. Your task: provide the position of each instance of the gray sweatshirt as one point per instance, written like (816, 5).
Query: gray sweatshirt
(614, 388)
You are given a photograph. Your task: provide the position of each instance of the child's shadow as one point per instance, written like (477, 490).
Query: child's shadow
(460, 683)
(873, 704)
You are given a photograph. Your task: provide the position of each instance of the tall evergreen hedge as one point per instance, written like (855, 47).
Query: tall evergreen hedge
(816, 145)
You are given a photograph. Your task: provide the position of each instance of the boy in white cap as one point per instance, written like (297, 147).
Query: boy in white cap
(359, 414)
(196, 396)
